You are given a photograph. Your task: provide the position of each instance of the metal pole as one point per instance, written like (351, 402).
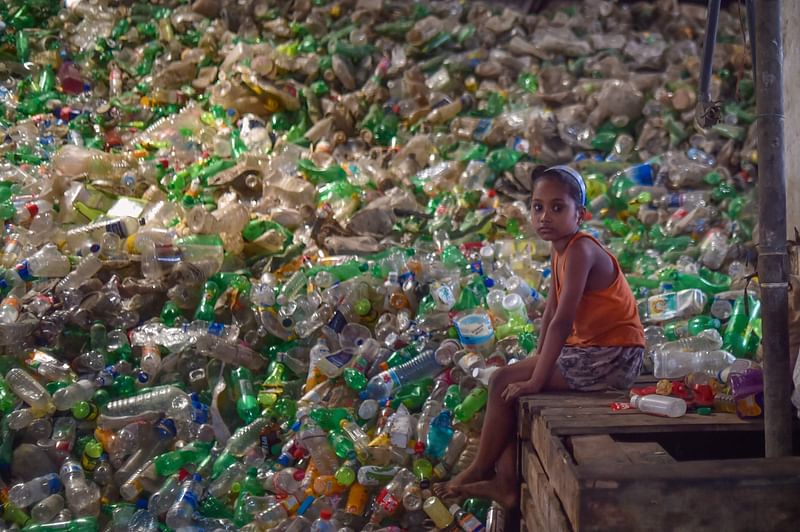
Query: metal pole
(772, 257)
(706, 112)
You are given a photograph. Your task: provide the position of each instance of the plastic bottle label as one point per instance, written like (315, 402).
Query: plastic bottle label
(663, 305)
(23, 271)
(475, 329)
(117, 228)
(337, 322)
(388, 501)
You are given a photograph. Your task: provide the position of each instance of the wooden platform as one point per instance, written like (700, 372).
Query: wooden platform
(585, 467)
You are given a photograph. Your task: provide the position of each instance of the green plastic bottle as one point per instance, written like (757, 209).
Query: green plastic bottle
(452, 397)
(205, 309)
(321, 175)
(246, 401)
(171, 462)
(472, 404)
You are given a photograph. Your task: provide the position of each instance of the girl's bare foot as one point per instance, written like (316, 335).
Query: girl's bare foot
(504, 492)
(452, 488)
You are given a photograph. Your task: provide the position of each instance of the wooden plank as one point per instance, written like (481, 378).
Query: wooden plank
(647, 452)
(599, 448)
(731, 495)
(530, 521)
(546, 511)
(637, 423)
(559, 467)
(529, 406)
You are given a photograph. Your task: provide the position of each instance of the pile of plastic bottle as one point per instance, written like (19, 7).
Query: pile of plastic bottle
(261, 258)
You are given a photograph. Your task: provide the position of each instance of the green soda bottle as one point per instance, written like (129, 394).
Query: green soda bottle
(472, 404)
(738, 332)
(81, 524)
(452, 397)
(205, 309)
(330, 418)
(246, 402)
(171, 462)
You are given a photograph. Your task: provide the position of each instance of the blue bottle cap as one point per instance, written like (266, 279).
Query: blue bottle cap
(305, 505)
(363, 395)
(296, 426)
(488, 282)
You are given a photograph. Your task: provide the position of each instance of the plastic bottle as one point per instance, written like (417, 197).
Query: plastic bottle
(182, 512)
(27, 493)
(325, 522)
(438, 512)
(672, 305)
(659, 405)
(47, 262)
(423, 365)
(466, 521)
(46, 510)
(440, 434)
(315, 441)
(83, 497)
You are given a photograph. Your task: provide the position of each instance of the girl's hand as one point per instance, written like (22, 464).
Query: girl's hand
(515, 390)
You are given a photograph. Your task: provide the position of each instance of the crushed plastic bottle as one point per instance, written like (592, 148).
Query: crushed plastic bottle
(259, 262)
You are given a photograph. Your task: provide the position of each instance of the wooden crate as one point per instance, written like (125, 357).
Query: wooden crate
(585, 467)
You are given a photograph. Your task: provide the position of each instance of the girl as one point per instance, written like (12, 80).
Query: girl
(591, 337)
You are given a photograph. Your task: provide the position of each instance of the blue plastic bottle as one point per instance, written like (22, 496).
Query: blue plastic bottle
(439, 435)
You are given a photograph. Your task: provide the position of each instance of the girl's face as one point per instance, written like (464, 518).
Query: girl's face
(554, 213)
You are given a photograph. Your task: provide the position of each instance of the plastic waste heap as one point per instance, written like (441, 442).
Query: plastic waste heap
(260, 259)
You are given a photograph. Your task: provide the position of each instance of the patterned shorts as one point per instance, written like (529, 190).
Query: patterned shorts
(599, 368)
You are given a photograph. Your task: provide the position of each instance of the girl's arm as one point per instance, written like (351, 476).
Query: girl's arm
(549, 310)
(559, 327)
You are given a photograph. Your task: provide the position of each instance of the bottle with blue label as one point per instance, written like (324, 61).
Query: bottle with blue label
(423, 365)
(181, 514)
(476, 332)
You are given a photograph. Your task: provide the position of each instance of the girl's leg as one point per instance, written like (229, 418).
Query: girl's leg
(499, 425)
(504, 486)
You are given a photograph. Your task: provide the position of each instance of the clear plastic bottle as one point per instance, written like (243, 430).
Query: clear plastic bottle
(47, 262)
(660, 405)
(83, 497)
(390, 497)
(677, 364)
(143, 521)
(82, 390)
(45, 510)
(85, 270)
(124, 227)
(325, 523)
(181, 513)
(157, 399)
(423, 365)
(30, 390)
(315, 440)
(26, 493)
(672, 305)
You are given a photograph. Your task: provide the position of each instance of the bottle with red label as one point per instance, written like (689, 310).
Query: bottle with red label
(390, 497)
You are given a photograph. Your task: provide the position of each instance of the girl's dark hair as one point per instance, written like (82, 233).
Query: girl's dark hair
(543, 172)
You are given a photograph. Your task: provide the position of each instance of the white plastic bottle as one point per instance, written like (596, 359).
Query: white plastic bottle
(660, 405)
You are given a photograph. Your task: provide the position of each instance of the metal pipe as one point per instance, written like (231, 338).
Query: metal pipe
(773, 263)
(751, 30)
(706, 113)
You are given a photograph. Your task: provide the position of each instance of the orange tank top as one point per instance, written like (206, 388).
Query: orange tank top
(607, 317)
